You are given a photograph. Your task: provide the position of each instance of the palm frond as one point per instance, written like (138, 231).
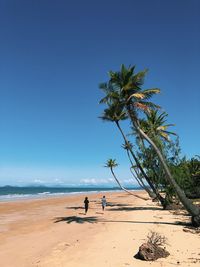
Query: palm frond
(140, 106)
(138, 79)
(150, 105)
(136, 96)
(168, 132)
(114, 113)
(165, 136)
(111, 163)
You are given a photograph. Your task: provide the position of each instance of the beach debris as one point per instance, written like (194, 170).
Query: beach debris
(154, 248)
(150, 252)
(194, 260)
(192, 230)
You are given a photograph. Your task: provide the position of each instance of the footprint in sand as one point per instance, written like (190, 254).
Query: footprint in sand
(61, 247)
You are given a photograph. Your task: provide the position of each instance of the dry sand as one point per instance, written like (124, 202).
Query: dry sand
(55, 232)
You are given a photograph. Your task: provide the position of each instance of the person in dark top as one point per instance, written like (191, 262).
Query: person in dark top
(103, 202)
(86, 203)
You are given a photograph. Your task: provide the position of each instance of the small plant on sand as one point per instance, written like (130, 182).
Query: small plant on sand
(154, 248)
(156, 239)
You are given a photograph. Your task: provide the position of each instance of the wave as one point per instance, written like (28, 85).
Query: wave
(13, 194)
(14, 197)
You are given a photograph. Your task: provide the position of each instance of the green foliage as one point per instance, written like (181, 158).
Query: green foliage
(124, 87)
(114, 113)
(188, 174)
(111, 163)
(154, 125)
(125, 98)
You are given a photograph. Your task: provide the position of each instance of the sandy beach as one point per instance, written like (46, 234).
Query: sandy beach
(56, 232)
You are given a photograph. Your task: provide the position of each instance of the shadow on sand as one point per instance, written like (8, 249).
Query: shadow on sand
(77, 219)
(112, 204)
(75, 208)
(118, 207)
(95, 219)
(134, 208)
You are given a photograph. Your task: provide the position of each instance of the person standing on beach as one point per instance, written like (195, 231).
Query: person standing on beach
(86, 203)
(103, 202)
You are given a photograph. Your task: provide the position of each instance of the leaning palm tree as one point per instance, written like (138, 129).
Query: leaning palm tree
(126, 87)
(134, 170)
(115, 113)
(111, 164)
(154, 125)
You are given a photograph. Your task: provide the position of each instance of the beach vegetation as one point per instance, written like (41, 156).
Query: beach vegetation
(125, 99)
(154, 248)
(114, 113)
(111, 164)
(156, 239)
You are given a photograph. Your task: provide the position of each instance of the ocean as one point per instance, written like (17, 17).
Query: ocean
(13, 193)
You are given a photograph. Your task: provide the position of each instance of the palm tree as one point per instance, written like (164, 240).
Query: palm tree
(154, 125)
(125, 86)
(115, 113)
(111, 164)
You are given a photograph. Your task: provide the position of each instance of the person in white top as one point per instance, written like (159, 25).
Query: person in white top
(103, 202)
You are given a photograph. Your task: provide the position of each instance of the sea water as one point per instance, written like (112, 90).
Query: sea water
(12, 193)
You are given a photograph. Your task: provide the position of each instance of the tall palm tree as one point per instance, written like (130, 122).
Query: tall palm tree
(154, 125)
(111, 164)
(125, 86)
(115, 113)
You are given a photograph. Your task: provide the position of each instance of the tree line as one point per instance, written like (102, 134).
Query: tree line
(154, 153)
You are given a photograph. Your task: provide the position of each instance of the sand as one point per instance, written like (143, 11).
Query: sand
(56, 232)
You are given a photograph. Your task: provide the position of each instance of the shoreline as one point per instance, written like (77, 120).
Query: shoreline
(55, 232)
(21, 197)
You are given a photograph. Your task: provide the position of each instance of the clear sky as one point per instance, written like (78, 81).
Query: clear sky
(54, 54)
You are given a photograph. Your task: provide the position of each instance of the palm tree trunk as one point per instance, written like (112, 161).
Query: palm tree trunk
(192, 209)
(123, 188)
(140, 182)
(156, 193)
(143, 150)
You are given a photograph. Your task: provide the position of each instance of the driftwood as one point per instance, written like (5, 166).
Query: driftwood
(154, 248)
(192, 230)
(151, 252)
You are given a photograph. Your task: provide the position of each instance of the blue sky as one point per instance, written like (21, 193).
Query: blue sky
(53, 55)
